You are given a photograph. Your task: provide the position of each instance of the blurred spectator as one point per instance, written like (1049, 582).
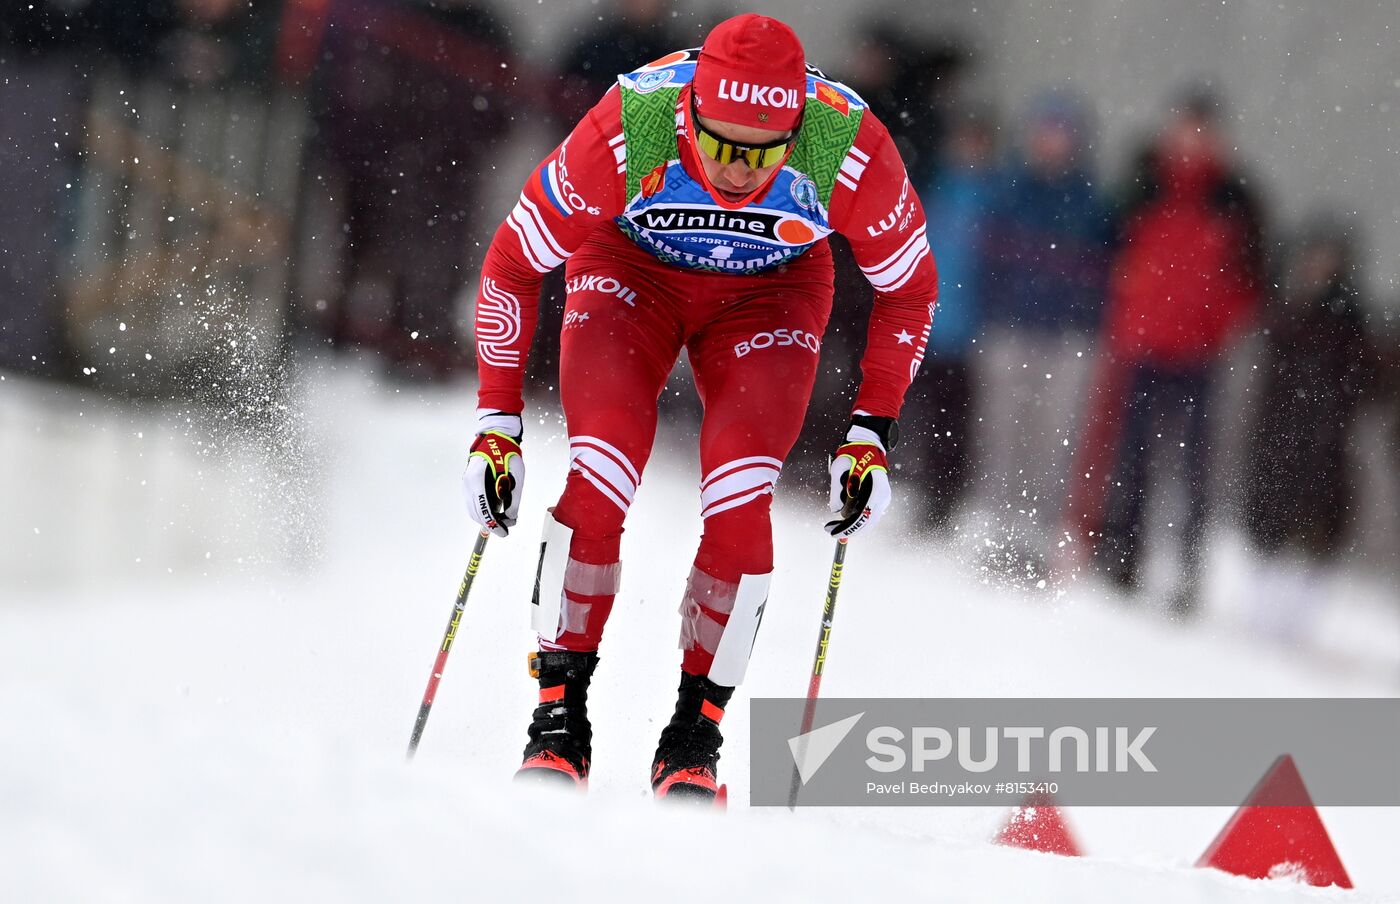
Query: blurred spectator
(1046, 264)
(411, 104)
(1300, 492)
(1189, 275)
(220, 41)
(911, 86)
(937, 450)
(633, 34)
(42, 89)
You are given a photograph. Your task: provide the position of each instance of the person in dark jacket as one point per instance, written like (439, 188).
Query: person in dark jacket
(1301, 489)
(44, 69)
(911, 85)
(1186, 282)
(632, 30)
(412, 100)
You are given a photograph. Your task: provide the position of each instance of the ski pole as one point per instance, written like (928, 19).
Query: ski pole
(814, 684)
(473, 565)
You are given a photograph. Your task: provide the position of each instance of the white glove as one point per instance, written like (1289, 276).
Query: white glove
(495, 477)
(860, 483)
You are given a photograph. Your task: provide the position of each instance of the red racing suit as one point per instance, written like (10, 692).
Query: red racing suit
(753, 339)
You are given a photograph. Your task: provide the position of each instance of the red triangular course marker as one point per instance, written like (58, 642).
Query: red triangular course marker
(1038, 825)
(1277, 833)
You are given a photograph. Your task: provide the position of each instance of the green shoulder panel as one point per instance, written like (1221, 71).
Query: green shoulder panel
(825, 140)
(649, 124)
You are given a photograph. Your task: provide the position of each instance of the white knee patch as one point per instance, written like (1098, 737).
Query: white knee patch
(731, 644)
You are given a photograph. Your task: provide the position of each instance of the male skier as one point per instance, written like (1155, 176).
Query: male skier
(691, 208)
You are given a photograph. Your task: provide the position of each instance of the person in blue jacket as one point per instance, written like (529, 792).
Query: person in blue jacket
(1046, 255)
(957, 201)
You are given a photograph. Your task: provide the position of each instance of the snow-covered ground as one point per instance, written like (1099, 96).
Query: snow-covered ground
(185, 728)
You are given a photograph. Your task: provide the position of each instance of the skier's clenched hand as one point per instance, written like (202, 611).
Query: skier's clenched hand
(495, 475)
(860, 481)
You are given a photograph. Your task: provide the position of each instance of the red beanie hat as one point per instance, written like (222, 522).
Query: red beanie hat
(752, 72)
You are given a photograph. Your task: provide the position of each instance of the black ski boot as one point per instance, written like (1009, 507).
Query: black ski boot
(561, 740)
(684, 766)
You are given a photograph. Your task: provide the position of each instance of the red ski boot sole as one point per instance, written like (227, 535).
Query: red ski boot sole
(693, 786)
(548, 770)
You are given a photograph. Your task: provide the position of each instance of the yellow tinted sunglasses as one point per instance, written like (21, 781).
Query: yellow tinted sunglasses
(757, 156)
